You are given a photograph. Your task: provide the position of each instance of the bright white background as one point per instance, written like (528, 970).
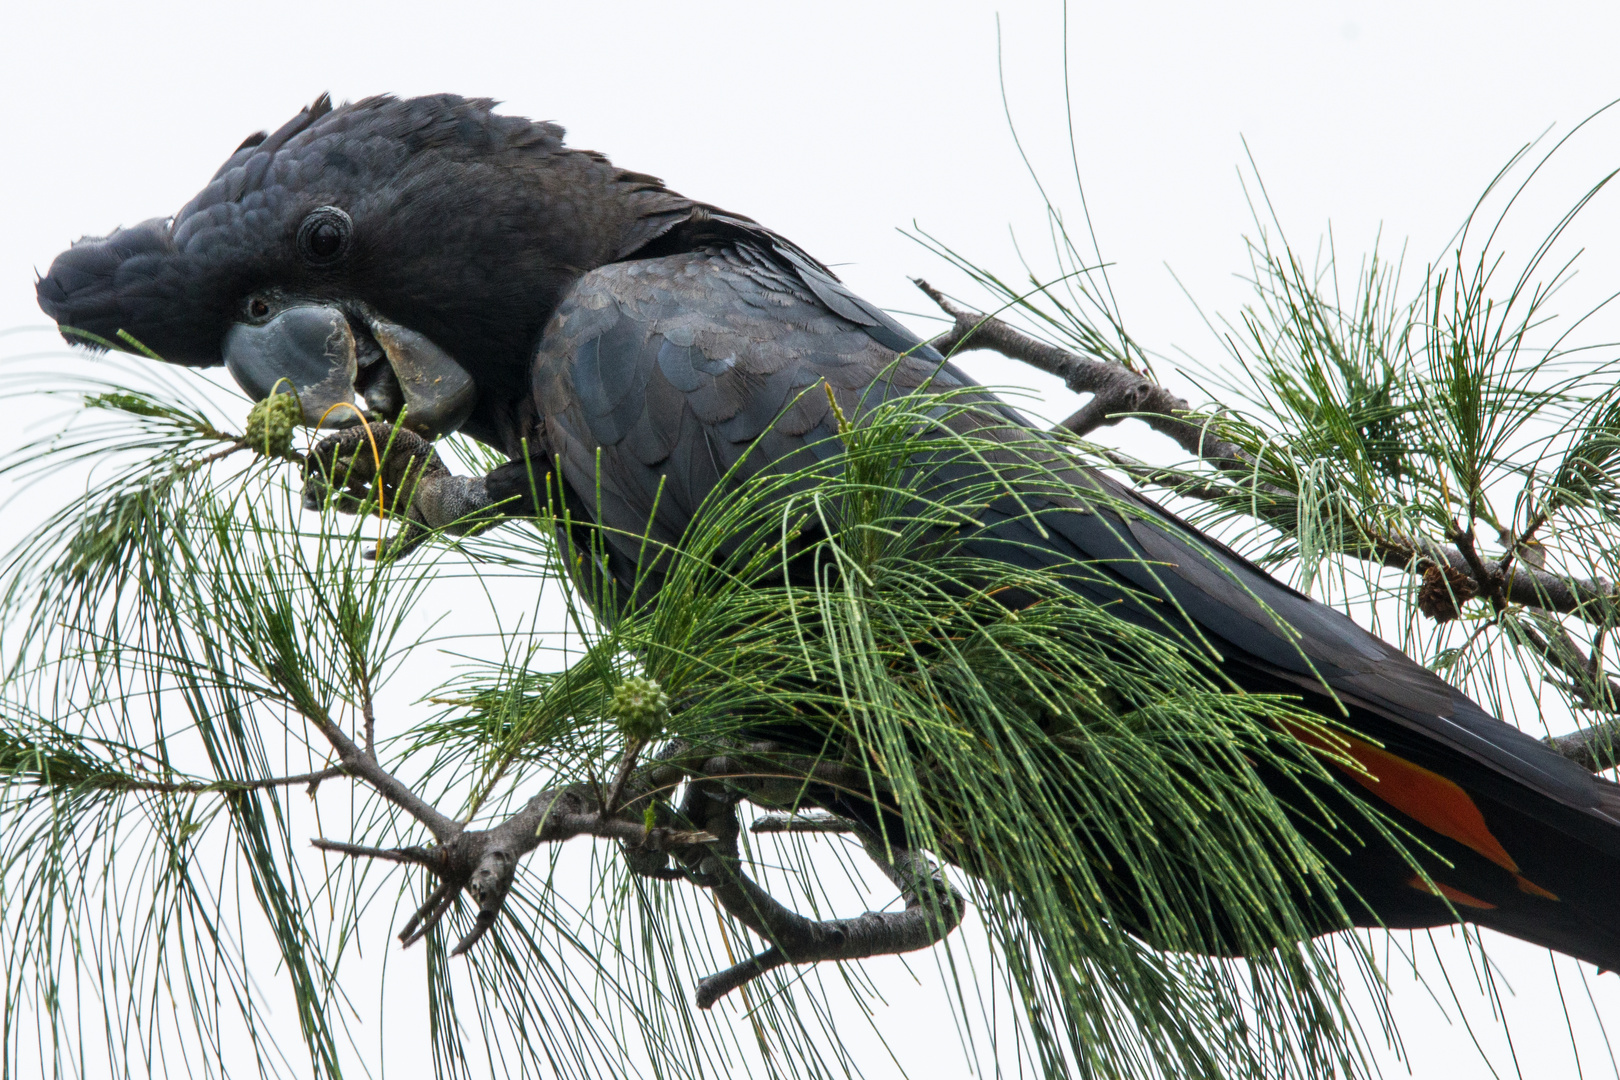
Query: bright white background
(834, 123)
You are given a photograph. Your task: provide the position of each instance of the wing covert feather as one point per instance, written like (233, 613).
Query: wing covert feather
(670, 369)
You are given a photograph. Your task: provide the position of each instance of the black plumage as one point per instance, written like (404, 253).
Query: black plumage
(645, 342)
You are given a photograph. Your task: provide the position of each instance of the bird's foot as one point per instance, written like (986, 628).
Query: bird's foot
(484, 863)
(368, 466)
(398, 473)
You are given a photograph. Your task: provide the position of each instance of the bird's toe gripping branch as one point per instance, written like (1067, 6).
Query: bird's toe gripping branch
(488, 882)
(369, 466)
(932, 908)
(706, 854)
(397, 473)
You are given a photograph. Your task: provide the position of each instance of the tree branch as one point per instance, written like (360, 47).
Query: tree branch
(1453, 573)
(358, 763)
(118, 782)
(1595, 748)
(410, 856)
(484, 862)
(1117, 391)
(806, 821)
(1120, 391)
(932, 907)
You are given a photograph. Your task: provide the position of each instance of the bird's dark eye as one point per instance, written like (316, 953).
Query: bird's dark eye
(258, 308)
(324, 236)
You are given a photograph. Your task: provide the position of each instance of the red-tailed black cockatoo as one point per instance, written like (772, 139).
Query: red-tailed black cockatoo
(434, 257)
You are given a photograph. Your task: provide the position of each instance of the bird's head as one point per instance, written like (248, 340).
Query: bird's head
(405, 251)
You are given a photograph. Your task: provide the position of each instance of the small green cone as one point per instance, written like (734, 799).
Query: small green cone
(270, 424)
(640, 707)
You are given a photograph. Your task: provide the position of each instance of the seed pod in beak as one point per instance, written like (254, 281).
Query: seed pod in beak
(309, 348)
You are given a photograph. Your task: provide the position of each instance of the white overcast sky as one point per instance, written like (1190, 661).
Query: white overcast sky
(835, 123)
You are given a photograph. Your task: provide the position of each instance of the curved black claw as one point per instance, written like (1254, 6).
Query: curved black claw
(369, 465)
(376, 466)
(397, 472)
(482, 862)
(490, 882)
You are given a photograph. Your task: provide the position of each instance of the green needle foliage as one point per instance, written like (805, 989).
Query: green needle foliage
(1087, 775)
(1090, 774)
(182, 637)
(1387, 416)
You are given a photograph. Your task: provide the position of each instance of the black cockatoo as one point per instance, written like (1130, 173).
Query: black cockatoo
(469, 269)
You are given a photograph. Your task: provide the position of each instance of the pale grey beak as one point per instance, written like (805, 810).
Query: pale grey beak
(312, 350)
(308, 350)
(439, 394)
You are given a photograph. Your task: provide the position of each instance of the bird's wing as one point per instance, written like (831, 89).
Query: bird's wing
(657, 375)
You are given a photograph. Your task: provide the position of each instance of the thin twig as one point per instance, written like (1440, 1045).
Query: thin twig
(209, 787)
(1561, 651)
(412, 856)
(355, 761)
(610, 802)
(1490, 585)
(1114, 385)
(209, 459)
(1118, 391)
(370, 718)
